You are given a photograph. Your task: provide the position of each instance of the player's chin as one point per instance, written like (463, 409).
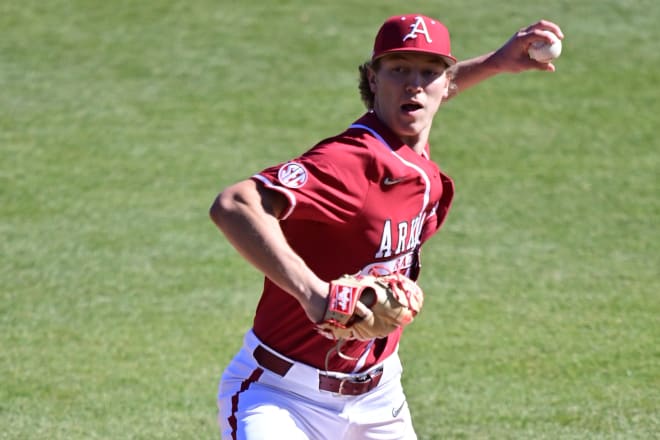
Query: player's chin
(411, 127)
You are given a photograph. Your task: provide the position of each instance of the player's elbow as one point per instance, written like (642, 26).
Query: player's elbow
(232, 204)
(245, 202)
(221, 208)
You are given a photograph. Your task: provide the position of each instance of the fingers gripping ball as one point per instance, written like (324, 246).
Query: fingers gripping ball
(366, 307)
(544, 52)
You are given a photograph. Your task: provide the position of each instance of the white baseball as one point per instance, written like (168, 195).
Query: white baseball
(544, 52)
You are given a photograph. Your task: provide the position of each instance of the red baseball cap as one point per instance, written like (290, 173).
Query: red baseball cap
(413, 33)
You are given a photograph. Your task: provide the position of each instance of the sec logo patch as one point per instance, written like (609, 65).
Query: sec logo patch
(292, 175)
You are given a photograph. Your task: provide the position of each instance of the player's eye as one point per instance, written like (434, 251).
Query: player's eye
(433, 72)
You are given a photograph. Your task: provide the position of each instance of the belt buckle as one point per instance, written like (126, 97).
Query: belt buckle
(362, 380)
(342, 382)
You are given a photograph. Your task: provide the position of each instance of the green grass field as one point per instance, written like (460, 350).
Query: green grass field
(120, 303)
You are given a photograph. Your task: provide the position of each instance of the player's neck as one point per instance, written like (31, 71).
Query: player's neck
(416, 143)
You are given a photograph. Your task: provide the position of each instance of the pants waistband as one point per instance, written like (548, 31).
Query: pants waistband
(350, 385)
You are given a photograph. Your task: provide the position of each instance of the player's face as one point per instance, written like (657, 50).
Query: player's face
(408, 89)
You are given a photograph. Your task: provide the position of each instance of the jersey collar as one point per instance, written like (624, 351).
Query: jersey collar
(371, 121)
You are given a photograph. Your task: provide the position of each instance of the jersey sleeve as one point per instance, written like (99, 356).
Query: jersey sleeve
(329, 183)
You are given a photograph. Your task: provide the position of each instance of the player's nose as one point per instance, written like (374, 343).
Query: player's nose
(414, 81)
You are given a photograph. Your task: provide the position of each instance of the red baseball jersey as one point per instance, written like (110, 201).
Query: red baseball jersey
(361, 201)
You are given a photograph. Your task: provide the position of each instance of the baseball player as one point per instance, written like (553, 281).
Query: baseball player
(337, 233)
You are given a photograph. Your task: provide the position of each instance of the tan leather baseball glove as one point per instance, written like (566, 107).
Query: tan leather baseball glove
(365, 307)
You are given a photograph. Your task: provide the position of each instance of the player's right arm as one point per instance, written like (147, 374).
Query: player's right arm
(512, 57)
(248, 215)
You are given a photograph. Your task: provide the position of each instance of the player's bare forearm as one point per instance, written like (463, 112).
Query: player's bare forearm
(468, 73)
(512, 57)
(247, 215)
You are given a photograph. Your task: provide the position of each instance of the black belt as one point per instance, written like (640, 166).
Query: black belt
(348, 386)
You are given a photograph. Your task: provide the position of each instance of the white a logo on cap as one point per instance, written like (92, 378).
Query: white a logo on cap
(419, 27)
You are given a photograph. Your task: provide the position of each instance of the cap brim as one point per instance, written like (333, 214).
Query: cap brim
(450, 60)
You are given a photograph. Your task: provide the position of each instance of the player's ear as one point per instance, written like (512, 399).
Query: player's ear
(371, 74)
(451, 88)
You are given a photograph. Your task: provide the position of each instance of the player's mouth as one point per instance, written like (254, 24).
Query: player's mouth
(410, 107)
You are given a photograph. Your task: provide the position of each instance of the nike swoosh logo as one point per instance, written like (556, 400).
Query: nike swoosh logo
(390, 181)
(396, 411)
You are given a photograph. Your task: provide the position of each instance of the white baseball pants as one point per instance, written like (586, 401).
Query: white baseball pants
(258, 404)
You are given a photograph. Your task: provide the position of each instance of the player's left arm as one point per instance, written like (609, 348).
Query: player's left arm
(512, 57)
